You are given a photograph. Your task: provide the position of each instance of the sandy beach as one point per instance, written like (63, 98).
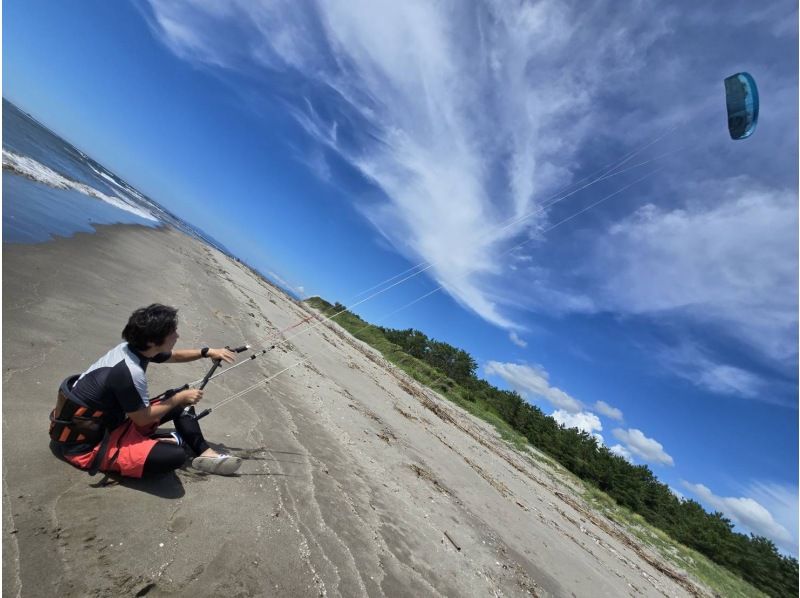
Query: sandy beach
(356, 481)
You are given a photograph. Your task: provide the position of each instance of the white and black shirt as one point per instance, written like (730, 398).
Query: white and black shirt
(116, 383)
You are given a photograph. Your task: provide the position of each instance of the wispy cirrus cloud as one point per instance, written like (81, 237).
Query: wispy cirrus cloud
(515, 338)
(732, 264)
(468, 116)
(439, 105)
(691, 363)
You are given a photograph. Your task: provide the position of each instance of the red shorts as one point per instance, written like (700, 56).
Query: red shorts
(134, 444)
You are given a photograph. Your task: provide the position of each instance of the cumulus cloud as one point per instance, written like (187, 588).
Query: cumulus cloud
(621, 451)
(781, 500)
(514, 337)
(677, 493)
(583, 420)
(638, 444)
(751, 514)
(533, 382)
(605, 409)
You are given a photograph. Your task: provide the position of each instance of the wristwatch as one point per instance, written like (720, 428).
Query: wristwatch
(204, 352)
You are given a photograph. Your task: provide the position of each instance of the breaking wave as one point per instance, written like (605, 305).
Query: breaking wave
(28, 167)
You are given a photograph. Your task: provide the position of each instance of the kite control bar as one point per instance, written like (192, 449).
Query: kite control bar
(216, 364)
(207, 377)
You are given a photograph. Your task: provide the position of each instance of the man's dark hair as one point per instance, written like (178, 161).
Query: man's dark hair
(151, 324)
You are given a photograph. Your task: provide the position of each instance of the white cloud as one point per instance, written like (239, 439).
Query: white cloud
(186, 28)
(621, 451)
(607, 410)
(677, 493)
(781, 500)
(317, 163)
(514, 337)
(297, 290)
(732, 263)
(640, 445)
(726, 378)
(689, 361)
(465, 116)
(531, 381)
(751, 514)
(583, 420)
(456, 105)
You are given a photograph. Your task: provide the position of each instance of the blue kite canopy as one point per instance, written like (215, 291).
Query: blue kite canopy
(741, 97)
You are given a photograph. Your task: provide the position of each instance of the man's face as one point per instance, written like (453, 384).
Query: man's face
(169, 342)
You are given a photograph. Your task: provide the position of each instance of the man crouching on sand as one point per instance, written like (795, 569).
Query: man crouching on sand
(104, 419)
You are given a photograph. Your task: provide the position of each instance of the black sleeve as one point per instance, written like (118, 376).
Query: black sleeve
(161, 357)
(130, 397)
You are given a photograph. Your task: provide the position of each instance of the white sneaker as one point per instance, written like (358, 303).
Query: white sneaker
(220, 465)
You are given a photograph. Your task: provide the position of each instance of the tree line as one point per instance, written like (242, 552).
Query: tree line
(756, 559)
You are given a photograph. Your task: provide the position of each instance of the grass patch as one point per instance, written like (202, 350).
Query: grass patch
(716, 577)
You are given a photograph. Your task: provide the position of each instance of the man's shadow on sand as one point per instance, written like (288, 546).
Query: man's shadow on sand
(162, 485)
(170, 485)
(165, 485)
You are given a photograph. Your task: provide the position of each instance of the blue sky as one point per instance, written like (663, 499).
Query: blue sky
(336, 145)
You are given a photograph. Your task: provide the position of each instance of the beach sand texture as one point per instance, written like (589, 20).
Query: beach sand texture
(356, 480)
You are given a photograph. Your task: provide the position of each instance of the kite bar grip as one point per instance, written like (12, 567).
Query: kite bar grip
(217, 363)
(168, 394)
(207, 377)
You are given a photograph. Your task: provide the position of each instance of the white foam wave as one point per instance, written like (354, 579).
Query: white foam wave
(124, 187)
(38, 172)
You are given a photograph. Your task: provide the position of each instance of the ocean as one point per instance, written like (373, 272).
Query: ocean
(51, 188)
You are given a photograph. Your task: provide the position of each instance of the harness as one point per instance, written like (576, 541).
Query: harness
(74, 424)
(71, 422)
